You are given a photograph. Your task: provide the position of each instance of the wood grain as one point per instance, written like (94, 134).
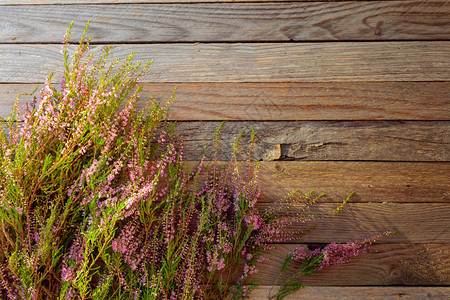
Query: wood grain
(251, 62)
(357, 293)
(316, 21)
(305, 101)
(287, 100)
(382, 182)
(322, 140)
(106, 2)
(415, 222)
(388, 264)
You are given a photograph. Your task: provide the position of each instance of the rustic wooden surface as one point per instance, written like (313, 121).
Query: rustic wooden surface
(344, 96)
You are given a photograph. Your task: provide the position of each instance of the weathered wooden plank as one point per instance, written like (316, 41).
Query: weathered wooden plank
(357, 293)
(317, 21)
(323, 140)
(51, 2)
(288, 100)
(372, 182)
(305, 101)
(388, 264)
(252, 62)
(415, 222)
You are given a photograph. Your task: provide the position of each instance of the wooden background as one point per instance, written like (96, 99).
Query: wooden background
(343, 96)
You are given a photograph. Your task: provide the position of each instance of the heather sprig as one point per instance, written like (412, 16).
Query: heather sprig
(319, 258)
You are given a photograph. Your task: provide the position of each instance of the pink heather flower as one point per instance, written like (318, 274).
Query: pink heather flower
(299, 254)
(68, 273)
(254, 220)
(215, 262)
(244, 290)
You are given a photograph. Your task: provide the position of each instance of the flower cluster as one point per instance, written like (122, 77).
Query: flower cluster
(317, 259)
(333, 253)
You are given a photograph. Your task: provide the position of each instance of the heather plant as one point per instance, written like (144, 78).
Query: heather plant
(74, 169)
(96, 201)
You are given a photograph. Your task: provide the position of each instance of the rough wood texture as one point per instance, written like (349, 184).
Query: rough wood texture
(305, 101)
(388, 264)
(415, 222)
(357, 293)
(50, 2)
(254, 62)
(317, 21)
(323, 140)
(287, 100)
(382, 182)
